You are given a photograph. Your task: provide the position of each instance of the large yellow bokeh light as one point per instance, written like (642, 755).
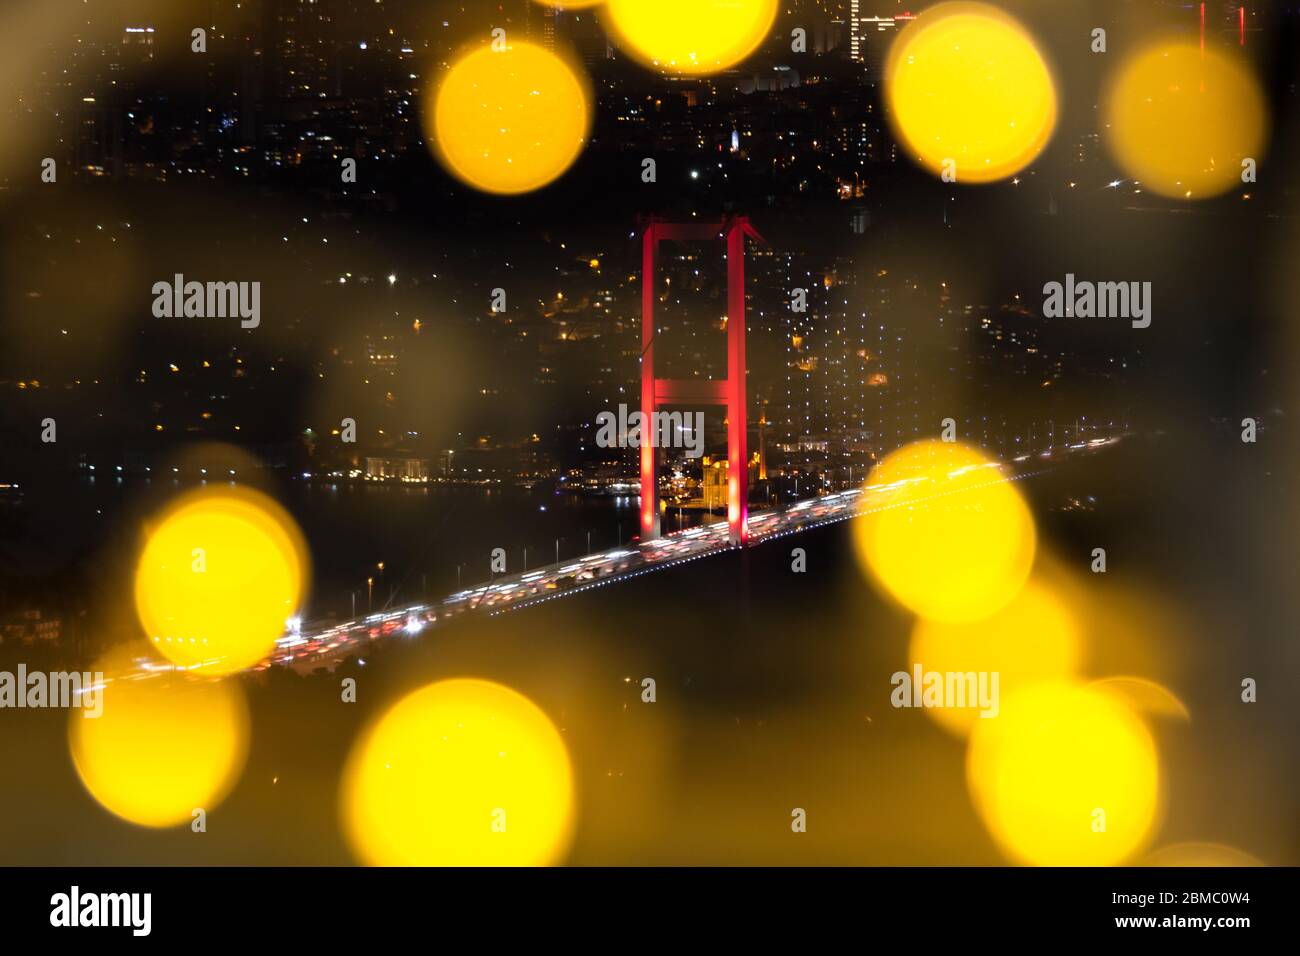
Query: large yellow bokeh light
(509, 122)
(1181, 121)
(1066, 775)
(219, 575)
(690, 36)
(1035, 637)
(163, 747)
(966, 84)
(944, 531)
(463, 772)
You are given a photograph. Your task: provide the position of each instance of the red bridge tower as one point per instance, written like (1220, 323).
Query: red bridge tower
(729, 392)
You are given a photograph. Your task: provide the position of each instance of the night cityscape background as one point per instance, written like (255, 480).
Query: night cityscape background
(475, 427)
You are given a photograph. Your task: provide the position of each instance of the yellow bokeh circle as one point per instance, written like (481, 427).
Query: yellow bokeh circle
(220, 573)
(509, 121)
(463, 772)
(944, 531)
(1065, 775)
(690, 36)
(1035, 637)
(163, 747)
(1145, 696)
(969, 92)
(1181, 121)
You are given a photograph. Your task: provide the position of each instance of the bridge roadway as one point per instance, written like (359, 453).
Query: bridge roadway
(325, 644)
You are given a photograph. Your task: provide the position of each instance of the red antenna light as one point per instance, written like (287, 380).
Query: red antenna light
(1241, 23)
(1202, 29)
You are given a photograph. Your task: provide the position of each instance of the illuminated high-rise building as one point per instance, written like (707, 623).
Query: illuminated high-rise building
(823, 408)
(302, 49)
(870, 36)
(549, 18)
(137, 43)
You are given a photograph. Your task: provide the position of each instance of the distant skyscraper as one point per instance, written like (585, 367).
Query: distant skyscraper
(548, 28)
(137, 42)
(581, 30)
(302, 49)
(826, 377)
(870, 36)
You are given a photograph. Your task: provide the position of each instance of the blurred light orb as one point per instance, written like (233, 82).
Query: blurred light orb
(509, 121)
(1180, 122)
(1066, 775)
(1145, 696)
(219, 574)
(967, 84)
(1035, 637)
(163, 747)
(690, 36)
(463, 772)
(1199, 854)
(944, 532)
